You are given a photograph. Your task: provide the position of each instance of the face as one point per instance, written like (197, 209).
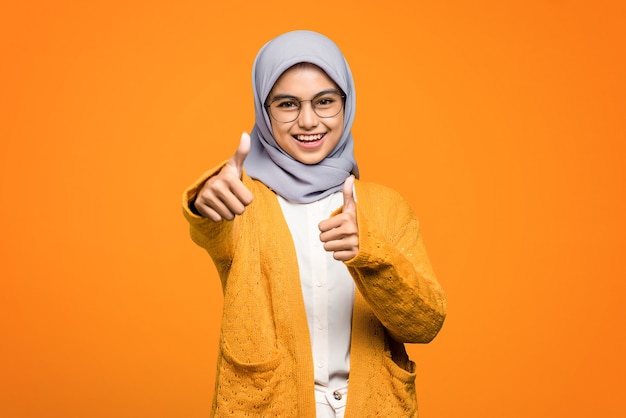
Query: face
(309, 138)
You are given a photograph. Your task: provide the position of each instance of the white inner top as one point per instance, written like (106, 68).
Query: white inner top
(327, 288)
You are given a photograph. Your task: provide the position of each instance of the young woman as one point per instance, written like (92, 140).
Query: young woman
(324, 277)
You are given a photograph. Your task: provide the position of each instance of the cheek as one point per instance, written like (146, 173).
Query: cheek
(278, 130)
(281, 135)
(339, 126)
(341, 120)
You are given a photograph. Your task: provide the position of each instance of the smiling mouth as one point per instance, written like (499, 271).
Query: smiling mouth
(309, 138)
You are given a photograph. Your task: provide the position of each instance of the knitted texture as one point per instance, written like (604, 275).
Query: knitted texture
(265, 365)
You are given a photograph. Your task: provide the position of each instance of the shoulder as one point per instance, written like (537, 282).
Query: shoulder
(383, 209)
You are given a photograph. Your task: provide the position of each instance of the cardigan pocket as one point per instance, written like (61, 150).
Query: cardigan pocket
(399, 385)
(243, 388)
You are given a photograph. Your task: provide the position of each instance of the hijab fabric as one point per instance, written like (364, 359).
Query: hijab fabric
(267, 162)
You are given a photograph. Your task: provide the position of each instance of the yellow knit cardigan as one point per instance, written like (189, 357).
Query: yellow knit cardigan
(265, 364)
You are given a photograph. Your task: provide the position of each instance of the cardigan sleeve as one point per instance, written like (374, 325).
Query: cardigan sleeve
(392, 270)
(217, 238)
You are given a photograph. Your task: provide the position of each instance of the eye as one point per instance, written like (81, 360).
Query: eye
(287, 104)
(325, 101)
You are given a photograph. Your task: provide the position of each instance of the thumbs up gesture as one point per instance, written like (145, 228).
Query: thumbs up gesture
(224, 195)
(340, 233)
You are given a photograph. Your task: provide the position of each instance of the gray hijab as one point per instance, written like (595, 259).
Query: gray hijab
(267, 162)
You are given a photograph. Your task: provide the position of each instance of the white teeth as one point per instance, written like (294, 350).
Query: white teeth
(306, 138)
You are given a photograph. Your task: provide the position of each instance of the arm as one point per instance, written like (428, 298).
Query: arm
(217, 238)
(392, 270)
(212, 203)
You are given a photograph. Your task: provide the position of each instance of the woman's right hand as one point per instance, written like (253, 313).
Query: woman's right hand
(224, 195)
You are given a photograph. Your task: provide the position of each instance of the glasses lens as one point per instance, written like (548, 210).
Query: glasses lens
(285, 110)
(325, 105)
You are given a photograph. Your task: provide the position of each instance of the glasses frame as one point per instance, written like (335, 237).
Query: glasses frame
(281, 97)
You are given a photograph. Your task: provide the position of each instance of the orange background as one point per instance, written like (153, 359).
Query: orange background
(503, 124)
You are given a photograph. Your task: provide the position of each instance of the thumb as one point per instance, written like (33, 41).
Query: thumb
(242, 152)
(349, 204)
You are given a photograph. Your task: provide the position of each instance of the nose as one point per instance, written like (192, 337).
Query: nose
(307, 119)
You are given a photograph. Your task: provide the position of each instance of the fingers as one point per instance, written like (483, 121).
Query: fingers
(340, 233)
(338, 228)
(237, 188)
(240, 155)
(349, 207)
(219, 213)
(224, 195)
(223, 198)
(214, 204)
(342, 242)
(349, 204)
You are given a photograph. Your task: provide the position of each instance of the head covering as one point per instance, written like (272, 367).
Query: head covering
(267, 161)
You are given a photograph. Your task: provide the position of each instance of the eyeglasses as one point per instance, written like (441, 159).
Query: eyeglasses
(286, 109)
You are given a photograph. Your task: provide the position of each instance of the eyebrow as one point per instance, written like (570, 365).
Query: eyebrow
(290, 96)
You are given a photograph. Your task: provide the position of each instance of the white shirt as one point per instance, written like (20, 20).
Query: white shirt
(327, 288)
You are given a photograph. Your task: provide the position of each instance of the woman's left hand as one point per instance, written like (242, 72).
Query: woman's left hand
(340, 233)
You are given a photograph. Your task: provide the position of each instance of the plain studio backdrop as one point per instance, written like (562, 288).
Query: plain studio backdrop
(502, 123)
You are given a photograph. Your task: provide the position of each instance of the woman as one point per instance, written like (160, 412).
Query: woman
(324, 277)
